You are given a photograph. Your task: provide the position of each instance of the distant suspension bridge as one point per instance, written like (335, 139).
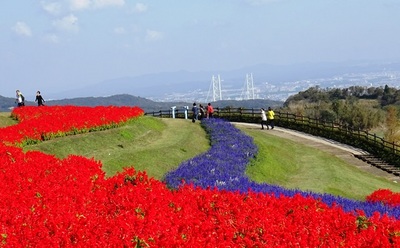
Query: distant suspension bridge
(215, 90)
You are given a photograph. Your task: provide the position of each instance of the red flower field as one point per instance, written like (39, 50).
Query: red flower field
(48, 202)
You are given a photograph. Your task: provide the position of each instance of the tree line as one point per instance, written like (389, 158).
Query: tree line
(365, 108)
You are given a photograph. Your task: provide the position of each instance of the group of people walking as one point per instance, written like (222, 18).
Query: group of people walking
(20, 99)
(267, 119)
(200, 112)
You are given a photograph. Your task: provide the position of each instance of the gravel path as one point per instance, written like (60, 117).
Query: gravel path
(342, 151)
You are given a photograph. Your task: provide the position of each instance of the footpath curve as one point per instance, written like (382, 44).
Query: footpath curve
(342, 151)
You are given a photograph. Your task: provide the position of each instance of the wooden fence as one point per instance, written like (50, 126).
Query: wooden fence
(369, 142)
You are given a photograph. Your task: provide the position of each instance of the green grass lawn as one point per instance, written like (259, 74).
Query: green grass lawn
(6, 120)
(159, 145)
(294, 165)
(151, 144)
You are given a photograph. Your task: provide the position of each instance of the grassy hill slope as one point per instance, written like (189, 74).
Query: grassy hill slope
(293, 165)
(6, 120)
(160, 145)
(154, 145)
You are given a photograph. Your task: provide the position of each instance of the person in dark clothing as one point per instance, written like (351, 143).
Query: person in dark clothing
(39, 99)
(195, 112)
(202, 113)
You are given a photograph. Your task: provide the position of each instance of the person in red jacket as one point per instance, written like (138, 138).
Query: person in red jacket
(210, 110)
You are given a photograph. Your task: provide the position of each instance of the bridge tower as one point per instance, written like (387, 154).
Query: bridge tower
(216, 88)
(249, 87)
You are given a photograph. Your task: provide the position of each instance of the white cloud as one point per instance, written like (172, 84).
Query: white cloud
(86, 4)
(68, 23)
(119, 30)
(140, 7)
(22, 29)
(53, 8)
(152, 35)
(51, 38)
(105, 3)
(79, 4)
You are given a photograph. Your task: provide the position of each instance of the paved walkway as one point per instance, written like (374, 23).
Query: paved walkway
(342, 151)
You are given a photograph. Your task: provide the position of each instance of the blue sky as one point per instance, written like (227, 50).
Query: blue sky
(57, 45)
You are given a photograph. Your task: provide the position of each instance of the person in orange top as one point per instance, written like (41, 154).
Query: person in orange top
(210, 111)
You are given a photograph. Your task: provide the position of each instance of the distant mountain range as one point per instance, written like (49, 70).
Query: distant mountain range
(6, 104)
(156, 86)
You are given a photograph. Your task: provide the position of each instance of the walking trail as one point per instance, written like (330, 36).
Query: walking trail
(342, 151)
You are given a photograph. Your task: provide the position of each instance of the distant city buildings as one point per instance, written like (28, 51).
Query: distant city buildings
(280, 91)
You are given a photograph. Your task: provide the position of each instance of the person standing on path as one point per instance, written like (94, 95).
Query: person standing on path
(271, 117)
(202, 113)
(210, 110)
(195, 112)
(39, 99)
(263, 118)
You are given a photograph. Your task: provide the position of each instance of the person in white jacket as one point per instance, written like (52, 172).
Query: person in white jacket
(263, 118)
(20, 98)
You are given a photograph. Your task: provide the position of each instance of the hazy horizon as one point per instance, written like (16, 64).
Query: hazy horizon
(62, 45)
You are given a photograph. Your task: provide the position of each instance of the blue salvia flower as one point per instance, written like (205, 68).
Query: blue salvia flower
(223, 166)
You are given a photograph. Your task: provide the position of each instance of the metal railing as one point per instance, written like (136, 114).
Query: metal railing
(369, 142)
